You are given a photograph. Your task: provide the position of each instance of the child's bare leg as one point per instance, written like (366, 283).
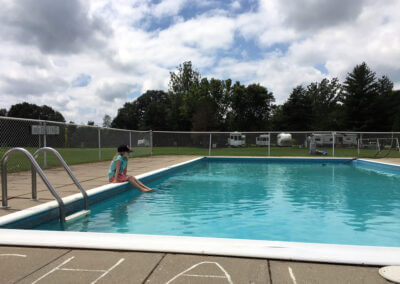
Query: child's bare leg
(143, 185)
(139, 182)
(133, 181)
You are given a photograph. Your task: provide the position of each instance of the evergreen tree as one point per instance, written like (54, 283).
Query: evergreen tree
(296, 113)
(359, 97)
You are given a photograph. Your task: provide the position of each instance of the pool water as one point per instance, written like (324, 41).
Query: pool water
(318, 201)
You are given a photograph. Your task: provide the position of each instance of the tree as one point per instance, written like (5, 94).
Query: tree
(152, 107)
(127, 117)
(107, 121)
(250, 107)
(296, 113)
(360, 94)
(90, 122)
(3, 112)
(326, 110)
(181, 82)
(149, 111)
(27, 110)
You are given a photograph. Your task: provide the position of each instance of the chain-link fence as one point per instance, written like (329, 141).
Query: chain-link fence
(76, 143)
(277, 143)
(84, 144)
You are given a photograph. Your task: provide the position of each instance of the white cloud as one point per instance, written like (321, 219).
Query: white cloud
(110, 41)
(167, 8)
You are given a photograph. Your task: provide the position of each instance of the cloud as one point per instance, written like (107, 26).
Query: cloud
(90, 57)
(111, 91)
(317, 14)
(167, 8)
(21, 87)
(236, 5)
(54, 26)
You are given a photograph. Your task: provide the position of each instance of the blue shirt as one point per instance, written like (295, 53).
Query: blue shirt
(113, 166)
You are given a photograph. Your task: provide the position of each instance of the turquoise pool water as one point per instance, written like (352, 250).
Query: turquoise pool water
(318, 201)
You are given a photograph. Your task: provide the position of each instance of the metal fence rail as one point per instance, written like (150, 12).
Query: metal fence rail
(83, 143)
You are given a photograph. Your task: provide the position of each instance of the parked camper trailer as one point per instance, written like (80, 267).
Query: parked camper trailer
(321, 139)
(143, 143)
(236, 139)
(327, 139)
(349, 139)
(262, 140)
(284, 139)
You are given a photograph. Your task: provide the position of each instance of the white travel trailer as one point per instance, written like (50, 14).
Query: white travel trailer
(236, 139)
(143, 143)
(348, 139)
(262, 140)
(327, 139)
(321, 139)
(284, 139)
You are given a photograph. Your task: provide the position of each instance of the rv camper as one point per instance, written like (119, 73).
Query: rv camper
(143, 143)
(321, 139)
(327, 139)
(262, 140)
(349, 139)
(284, 139)
(236, 139)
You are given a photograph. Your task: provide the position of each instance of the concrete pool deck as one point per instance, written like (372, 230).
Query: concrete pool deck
(45, 265)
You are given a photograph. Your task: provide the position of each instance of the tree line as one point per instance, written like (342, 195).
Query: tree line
(363, 102)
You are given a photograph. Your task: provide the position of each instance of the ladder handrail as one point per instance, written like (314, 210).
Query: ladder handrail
(37, 168)
(57, 154)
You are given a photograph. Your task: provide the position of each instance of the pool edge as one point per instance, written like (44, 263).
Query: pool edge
(314, 252)
(294, 251)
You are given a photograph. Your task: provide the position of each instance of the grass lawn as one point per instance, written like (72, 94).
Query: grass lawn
(17, 162)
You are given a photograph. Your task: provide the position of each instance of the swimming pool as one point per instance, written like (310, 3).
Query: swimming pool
(301, 201)
(315, 201)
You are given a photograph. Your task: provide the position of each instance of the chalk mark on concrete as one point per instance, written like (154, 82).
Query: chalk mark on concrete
(225, 276)
(13, 254)
(58, 267)
(292, 275)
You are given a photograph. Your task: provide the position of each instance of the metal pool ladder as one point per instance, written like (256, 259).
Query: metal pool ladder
(36, 168)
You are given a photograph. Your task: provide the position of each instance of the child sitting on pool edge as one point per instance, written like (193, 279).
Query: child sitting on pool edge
(118, 169)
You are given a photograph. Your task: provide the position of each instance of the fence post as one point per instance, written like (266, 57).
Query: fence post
(333, 144)
(269, 144)
(151, 142)
(45, 145)
(209, 146)
(130, 139)
(99, 141)
(358, 147)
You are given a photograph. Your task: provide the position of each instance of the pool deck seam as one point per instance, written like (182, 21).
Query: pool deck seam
(155, 267)
(44, 265)
(269, 271)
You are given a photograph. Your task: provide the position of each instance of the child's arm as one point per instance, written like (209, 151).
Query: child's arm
(125, 169)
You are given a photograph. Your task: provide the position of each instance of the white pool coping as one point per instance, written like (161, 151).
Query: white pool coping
(314, 252)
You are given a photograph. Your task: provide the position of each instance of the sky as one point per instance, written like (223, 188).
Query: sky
(87, 58)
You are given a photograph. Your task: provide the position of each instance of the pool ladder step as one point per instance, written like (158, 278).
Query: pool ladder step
(36, 169)
(77, 215)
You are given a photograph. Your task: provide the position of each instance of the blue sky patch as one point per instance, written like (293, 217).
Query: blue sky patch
(82, 80)
(321, 67)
